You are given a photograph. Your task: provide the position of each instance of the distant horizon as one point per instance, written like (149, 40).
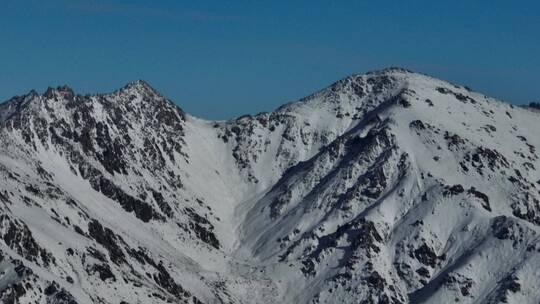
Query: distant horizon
(220, 59)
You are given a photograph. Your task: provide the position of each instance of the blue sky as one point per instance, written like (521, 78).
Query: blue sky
(219, 59)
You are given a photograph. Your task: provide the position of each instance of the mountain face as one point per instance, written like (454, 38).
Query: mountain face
(387, 187)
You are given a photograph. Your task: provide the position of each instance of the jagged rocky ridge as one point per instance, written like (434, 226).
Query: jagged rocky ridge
(387, 187)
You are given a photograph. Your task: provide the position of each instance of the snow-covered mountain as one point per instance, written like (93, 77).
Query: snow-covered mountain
(387, 187)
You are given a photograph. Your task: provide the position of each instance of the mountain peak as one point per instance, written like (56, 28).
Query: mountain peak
(390, 70)
(139, 86)
(63, 90)
(16, 104)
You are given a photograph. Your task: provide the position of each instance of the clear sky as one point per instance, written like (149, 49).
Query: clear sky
(219, 59)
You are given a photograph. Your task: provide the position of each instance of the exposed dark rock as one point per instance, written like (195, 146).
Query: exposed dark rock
(375, 280)
(141, 209)
(162, 204)
(103, 270)
(18, 237)
(425, 255)
(107, 239)
(58, 295)
(453, 190)
(482, 196)
(165, 281)
(423, 271)
(12, 293)
(417, 124)
(202, 228)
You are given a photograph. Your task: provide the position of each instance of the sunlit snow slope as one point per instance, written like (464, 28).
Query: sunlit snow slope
(387, 187)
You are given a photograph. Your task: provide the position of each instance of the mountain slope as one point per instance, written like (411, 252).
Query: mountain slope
(387, 187)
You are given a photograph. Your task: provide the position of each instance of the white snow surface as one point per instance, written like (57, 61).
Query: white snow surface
(385, 187)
